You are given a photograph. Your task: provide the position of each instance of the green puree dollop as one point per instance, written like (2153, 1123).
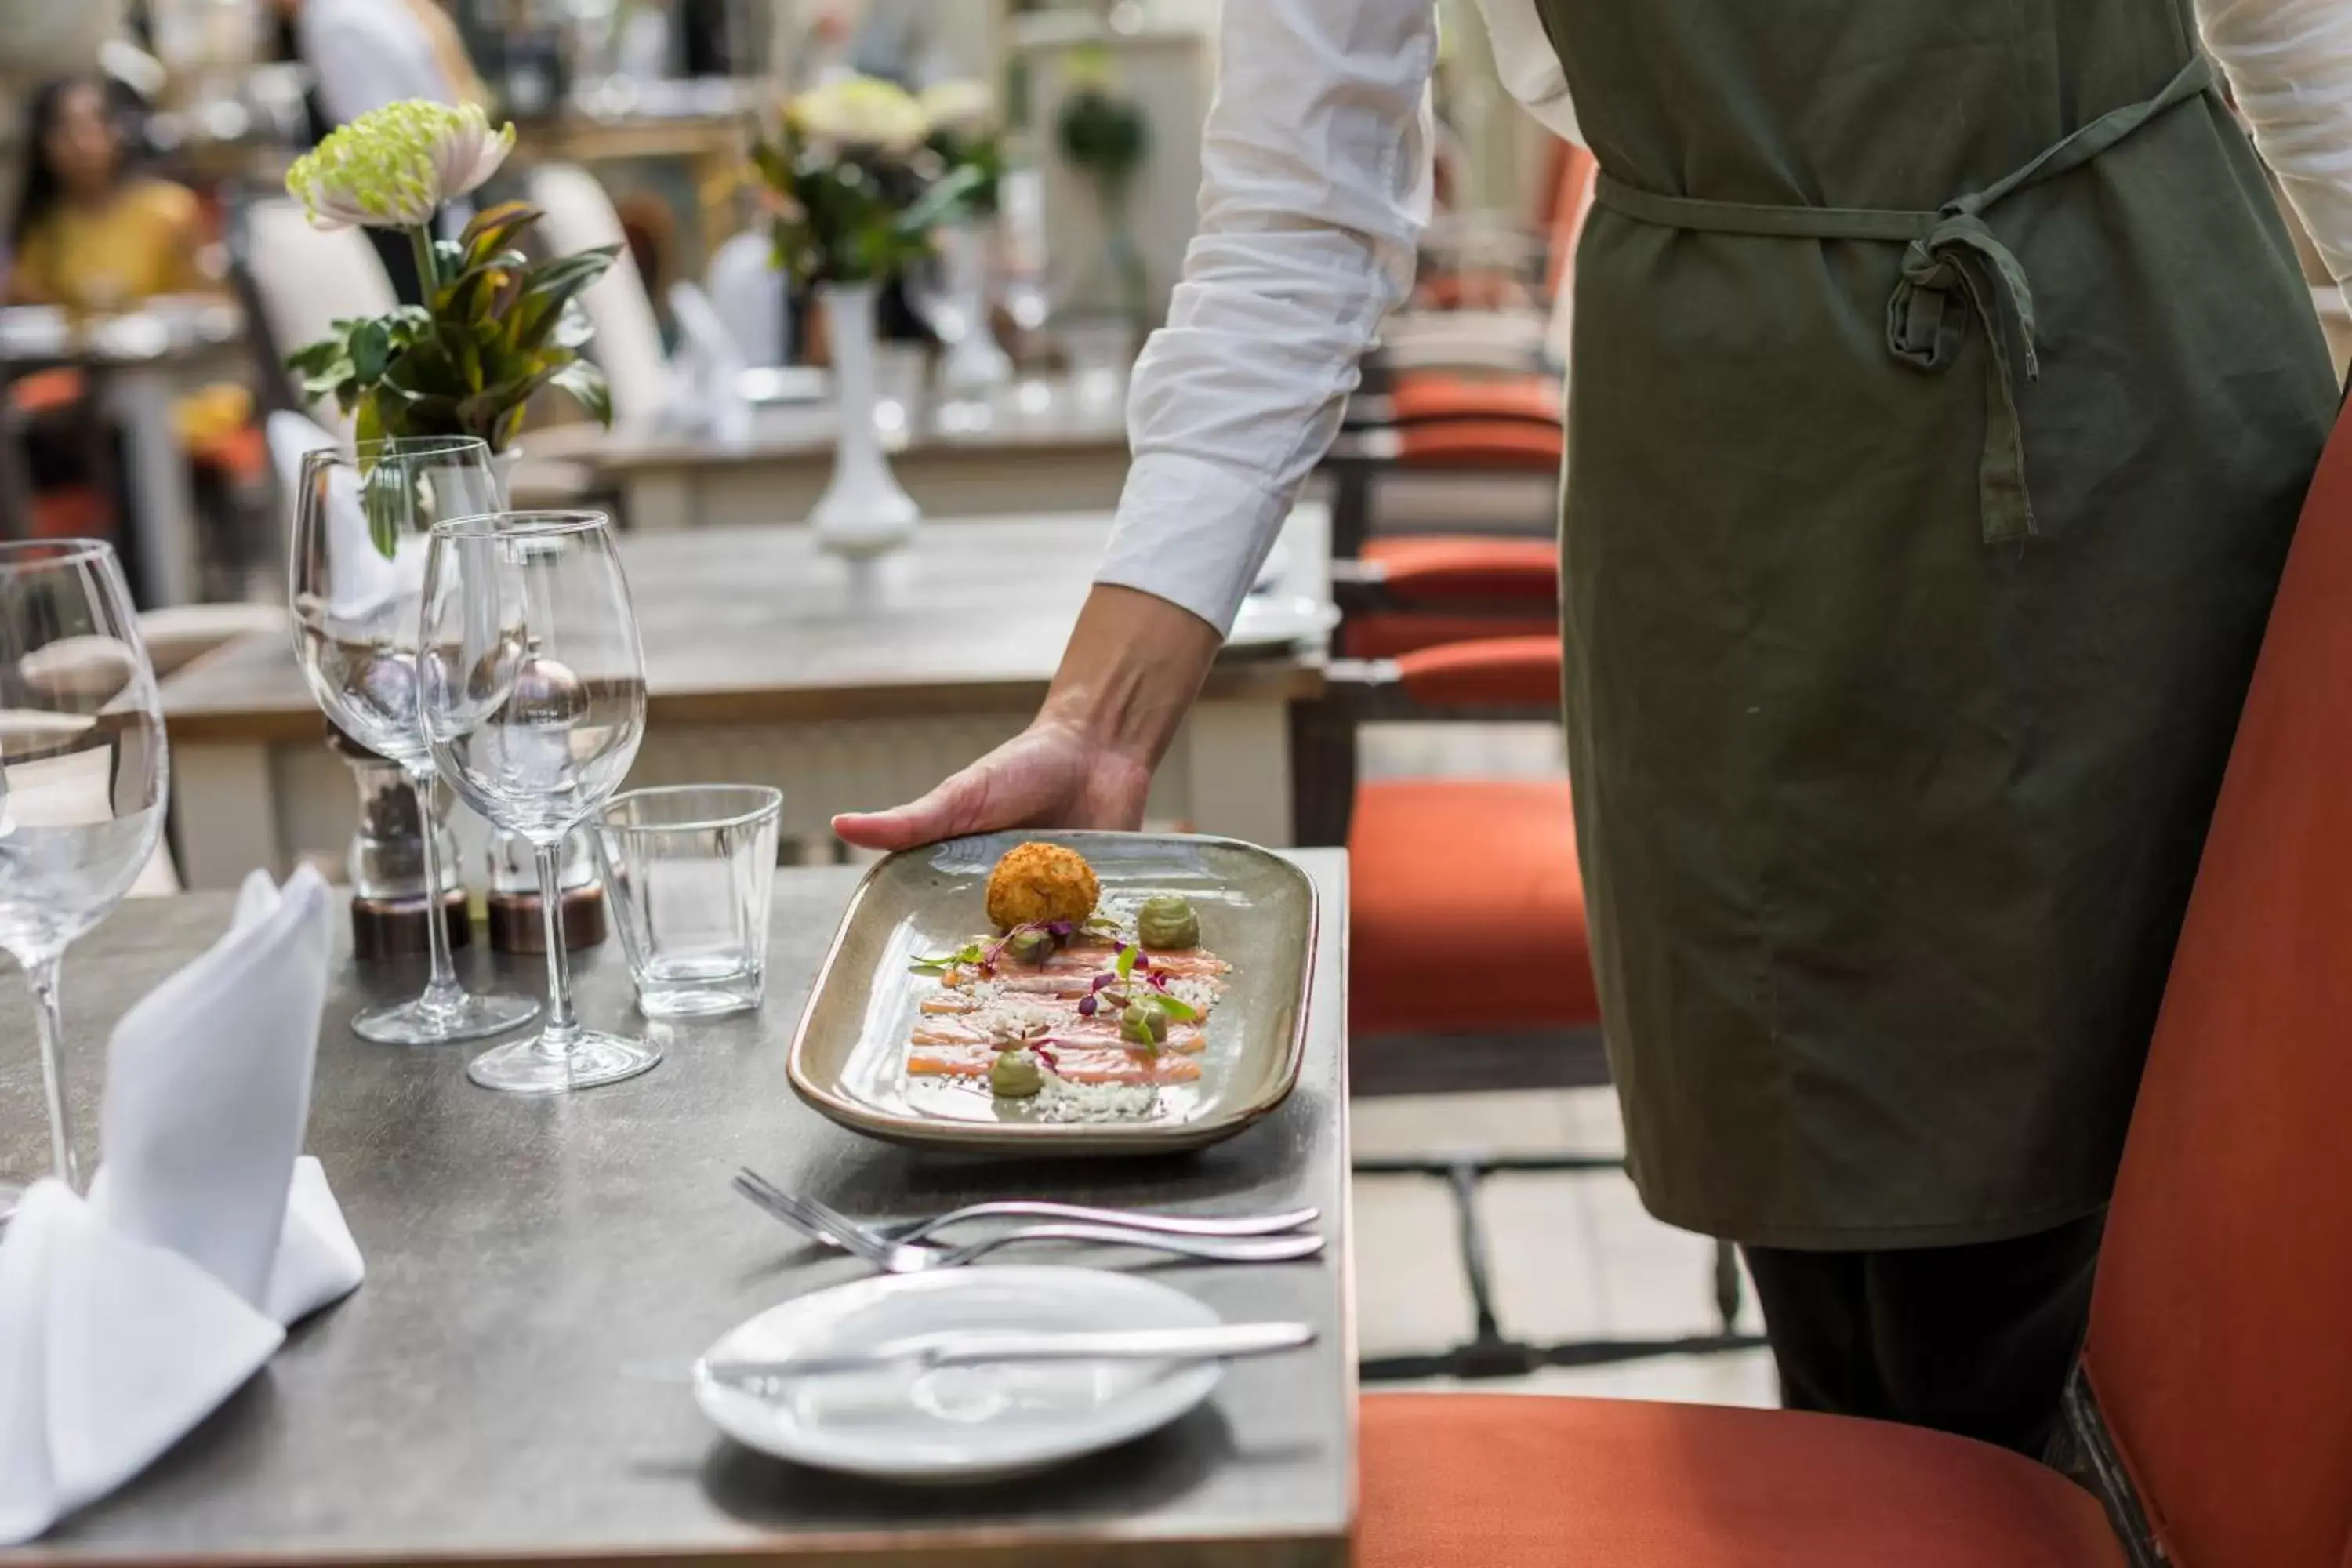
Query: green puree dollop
(1168, 921)
(1016, 1074)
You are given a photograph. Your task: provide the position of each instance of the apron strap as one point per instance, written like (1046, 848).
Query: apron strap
(1954, 266)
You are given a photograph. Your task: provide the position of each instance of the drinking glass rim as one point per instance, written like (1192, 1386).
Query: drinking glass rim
(411, 447)
(29, 554)
(522, 524)
(772, 804)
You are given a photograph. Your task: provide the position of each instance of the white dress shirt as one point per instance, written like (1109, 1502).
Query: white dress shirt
(1315, 187)
(365, 54)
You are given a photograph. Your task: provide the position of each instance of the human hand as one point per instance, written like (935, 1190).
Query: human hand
(1133, 665)
(1049, 775)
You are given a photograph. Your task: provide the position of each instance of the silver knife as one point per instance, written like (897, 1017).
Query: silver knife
(970, 1347)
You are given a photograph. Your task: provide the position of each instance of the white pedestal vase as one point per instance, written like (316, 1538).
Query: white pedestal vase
(864, 514)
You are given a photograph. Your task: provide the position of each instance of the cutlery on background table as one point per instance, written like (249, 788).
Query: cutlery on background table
(904, 1257)
(1225, 1341)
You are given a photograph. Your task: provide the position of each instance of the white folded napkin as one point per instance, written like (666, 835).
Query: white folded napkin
(125, 1320)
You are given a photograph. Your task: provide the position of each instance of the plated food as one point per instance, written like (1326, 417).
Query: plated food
(1064, 993)
(1083, 1009)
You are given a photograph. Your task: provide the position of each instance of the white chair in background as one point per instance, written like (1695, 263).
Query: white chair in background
(748, 293)
(305, 281)
(708, 372)
(628, 342)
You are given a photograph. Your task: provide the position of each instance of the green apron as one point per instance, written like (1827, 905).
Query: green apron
(1945, 393)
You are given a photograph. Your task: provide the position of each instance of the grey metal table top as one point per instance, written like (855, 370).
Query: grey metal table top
(469, 1404)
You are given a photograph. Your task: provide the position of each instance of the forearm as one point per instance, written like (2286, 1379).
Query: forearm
(1132, 668)
(1315, 166)
(2290, 62)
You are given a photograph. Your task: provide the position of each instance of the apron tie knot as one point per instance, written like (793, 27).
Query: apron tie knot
(1953, 266)
(1958, 268)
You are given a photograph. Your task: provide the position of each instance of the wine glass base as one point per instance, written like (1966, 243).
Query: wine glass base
(530, 1066)
(420, 1022)
(10, 1196)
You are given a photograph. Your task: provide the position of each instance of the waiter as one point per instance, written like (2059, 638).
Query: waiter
(1945, 395)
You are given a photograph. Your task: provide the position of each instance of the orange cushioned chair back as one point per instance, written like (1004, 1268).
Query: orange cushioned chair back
(2220, 1344)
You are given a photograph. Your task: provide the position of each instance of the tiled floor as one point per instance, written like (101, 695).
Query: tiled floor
(1575, 1255)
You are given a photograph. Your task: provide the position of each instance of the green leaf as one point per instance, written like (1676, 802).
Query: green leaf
(315, 359)
(493, 229)
(367, 421)
(371, 351)
(943, 203)
(562, 280)
(1182, 1012)
(962, 958)
(586, 384)
(1127, 957)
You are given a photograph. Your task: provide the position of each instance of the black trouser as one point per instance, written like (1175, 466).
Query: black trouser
(1973, 1340)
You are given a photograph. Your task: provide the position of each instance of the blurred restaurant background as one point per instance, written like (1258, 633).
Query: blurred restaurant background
(158, 275)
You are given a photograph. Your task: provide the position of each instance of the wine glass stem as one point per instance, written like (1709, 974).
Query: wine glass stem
(49, 1021)
(442, 991)
(561, 1026)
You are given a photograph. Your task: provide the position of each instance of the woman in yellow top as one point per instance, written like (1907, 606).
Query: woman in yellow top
(89, 235)
(93, 237)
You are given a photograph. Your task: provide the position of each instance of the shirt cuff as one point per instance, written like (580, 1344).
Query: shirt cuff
(1193, 532)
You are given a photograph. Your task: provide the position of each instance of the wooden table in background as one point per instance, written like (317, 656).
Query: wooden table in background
(760, 670)
(473, 1403)
(1069, 455)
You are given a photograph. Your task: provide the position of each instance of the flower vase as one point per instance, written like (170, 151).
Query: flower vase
(974, 362)
(864, 514)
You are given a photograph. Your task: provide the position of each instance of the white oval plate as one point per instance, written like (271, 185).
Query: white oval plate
(959, 1424)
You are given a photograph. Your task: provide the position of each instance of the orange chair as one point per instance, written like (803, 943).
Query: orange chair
(2213, 1408)
(1409, 593)
(1469, 966)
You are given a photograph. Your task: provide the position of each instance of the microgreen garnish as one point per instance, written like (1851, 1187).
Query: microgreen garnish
(1127, 960)
(1182, 1012)
(965, 957)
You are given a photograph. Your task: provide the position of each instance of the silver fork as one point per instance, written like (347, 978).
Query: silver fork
(902, 1258)
(834, 1221)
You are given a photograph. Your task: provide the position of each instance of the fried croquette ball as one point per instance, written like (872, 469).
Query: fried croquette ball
(1036, 883)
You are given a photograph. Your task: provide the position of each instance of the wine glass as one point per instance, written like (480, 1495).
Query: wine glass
(363, 522)
(83, 773)
(534, 700)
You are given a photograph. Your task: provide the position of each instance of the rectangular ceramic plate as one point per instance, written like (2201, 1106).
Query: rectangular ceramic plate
(1257, 912)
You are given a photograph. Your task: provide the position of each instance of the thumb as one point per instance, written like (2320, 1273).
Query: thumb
(957, 806)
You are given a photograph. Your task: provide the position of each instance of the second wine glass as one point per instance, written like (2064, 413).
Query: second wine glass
(362, 523)
(534, 701)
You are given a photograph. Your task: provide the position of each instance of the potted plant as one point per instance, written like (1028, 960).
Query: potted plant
(496, 327)
(1106, 136)
(855, 191)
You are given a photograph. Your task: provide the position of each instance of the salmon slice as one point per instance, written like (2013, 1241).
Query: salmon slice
(1112, 1064)
(1073, 1032)
(1072, 970)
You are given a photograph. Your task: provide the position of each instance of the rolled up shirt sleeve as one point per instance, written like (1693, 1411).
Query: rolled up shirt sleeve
(1315, 188)
(2290, 65)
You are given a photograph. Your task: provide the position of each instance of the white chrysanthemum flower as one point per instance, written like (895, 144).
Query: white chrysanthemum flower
(393, 167)
(862, 111)
(959, 105)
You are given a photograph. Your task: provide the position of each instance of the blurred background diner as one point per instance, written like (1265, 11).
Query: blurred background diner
(178, 334)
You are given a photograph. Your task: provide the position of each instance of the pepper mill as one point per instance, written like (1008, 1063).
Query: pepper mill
(515, 924)
(385, 864)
